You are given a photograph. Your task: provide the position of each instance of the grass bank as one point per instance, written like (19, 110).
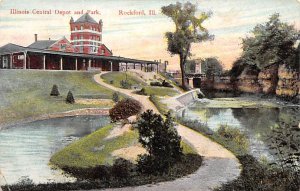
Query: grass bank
(26, 93)
(93, 150)
(115, 78)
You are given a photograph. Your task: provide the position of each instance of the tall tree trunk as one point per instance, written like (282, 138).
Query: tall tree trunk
(182, 68)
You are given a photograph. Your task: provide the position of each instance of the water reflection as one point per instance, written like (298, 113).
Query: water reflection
(256, 123)
(25, 150)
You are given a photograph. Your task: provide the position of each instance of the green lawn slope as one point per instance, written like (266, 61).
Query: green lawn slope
(26, 93)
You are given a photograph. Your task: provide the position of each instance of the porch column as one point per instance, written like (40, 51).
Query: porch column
(90, 63)
(134, 66)
(11, 61)
(61, 63)
(126, 66)
(76, 64)
(24, 61)
(44, 62)
(111, 66)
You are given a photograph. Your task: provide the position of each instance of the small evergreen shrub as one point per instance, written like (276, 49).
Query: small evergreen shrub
(115, 97)
(70, 98)
(54, 91)
(124, 109)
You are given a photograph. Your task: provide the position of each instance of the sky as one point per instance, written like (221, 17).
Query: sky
(142, 36)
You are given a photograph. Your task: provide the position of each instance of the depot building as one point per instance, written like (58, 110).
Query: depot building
(84, 51)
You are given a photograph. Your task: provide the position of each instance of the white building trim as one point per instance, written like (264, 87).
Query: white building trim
(86, 30)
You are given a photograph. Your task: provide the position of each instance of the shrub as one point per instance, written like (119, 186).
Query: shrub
(142, 92)
(166, 84)
(233, 134)
(155, 84)
(125, 84)
(124, 109)
(161, 140)
(115, 97)
(54, 91)
(70, 98)
(122, 168)
(111, 82)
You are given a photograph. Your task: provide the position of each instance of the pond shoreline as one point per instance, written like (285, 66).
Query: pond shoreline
(70, 113)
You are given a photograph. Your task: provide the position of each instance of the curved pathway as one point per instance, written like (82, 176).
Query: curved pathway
(219, 165)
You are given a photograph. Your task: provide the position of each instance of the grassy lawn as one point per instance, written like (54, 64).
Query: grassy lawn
(117, 77)
(25, 93)
(94, 149)
(160, 91)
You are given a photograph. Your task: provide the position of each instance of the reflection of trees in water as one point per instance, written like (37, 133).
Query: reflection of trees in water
(257, 120)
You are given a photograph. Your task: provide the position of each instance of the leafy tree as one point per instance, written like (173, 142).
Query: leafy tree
(190, 66)
(188, 30)
(115, 97)
(270, 43)
(54, 91)
(211, 67)
(161, 140)
(70, 98)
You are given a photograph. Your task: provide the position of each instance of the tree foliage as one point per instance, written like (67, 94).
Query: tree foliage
(211, 67)
(270, 43)
(161, 140)
(188, 30)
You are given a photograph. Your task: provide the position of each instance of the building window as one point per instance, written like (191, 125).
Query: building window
(102, 51)
(20, 57)
(75, 28)
(81, 27)
(63, 47)
(75, 37)
(81, 49)
(81, 36)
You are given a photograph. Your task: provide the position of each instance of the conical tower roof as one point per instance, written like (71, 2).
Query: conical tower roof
(85, 18)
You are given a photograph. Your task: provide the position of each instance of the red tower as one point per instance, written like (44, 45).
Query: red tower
(86, 36)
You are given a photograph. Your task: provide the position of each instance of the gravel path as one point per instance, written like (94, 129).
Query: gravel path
(219, 165)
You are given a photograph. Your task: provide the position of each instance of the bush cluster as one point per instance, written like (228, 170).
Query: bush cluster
(115, 97)
(124, 109)
(162, 84)
(142, 92)
(125, 84)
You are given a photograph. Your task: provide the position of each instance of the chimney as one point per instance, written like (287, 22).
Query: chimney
(35, 37)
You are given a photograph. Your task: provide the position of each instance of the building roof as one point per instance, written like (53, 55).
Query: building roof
(42, 44)
(85, 18)
(11, 48)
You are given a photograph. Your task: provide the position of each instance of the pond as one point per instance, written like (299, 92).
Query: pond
(25, 150)
(255, 122)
